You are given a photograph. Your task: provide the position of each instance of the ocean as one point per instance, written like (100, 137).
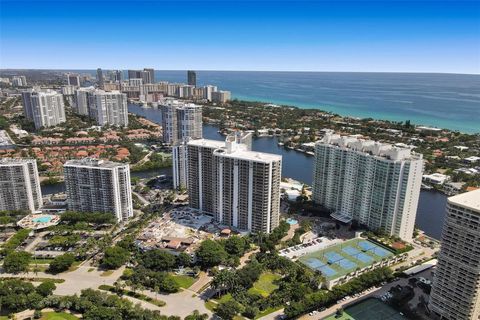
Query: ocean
(449, 101)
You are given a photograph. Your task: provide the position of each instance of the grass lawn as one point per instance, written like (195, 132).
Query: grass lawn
(210, 305)
(265, 284)
(106, 273)
(184, 281)
(57, 316)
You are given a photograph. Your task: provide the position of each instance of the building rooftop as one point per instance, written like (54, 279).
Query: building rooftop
(10, 161)
(374, 148)
(469, 199)
(94, 163)
(207, 143)
(236, 150)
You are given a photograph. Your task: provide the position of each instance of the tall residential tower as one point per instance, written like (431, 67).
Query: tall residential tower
(19, 185)
(455, 292)
(99, 186)
(181, 122)
(108, 108)
(44, 108)
(240, 187)
(191, 78)
(376, 184)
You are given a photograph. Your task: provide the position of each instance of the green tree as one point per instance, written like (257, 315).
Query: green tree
(158, 260)
(61, 263)
(210, 254)
(229, 309)
(196, 315)
(16, 262)
(236, 245)
(115, 257)
(46, 288)
(183, 259)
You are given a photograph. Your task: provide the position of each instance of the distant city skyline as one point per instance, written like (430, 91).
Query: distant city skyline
(359, 36)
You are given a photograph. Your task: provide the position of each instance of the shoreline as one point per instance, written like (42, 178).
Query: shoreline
(324, 108)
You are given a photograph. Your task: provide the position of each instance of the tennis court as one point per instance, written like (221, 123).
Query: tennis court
(369, 309)
(343, 258)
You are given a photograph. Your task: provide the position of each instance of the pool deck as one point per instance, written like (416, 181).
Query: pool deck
(38, 221)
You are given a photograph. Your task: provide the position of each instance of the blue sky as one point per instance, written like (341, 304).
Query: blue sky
(400, 36)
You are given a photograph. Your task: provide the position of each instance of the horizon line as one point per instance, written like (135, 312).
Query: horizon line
(232, 70)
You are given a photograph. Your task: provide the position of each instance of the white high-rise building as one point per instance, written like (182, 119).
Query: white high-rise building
(19, 81)
(180, 122)
(94, 185)
(240, 187)
(19, 185)
(135, 82)
(108, 108)
(179, 166)
(455, 292)
(45, 108)
(82, 100)
(221, 96)
(376, 184)
(208, 92)
(68, 90)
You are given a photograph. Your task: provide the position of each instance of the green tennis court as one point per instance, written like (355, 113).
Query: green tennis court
(369, 309)
(342, 258)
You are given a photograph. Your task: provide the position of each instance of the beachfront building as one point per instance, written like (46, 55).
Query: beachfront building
(376, 184)
(240, 187)
(221, 96)
(108, 108)
(94, 185)
(191, 78)
(19, 185)
(44, 108)
(456, 285)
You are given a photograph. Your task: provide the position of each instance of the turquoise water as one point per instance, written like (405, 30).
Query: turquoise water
(444, 100)
(291, 221)
(44, 219)
(449, 101)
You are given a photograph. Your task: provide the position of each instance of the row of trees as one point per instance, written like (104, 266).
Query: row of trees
(18, 295)
(322, 298)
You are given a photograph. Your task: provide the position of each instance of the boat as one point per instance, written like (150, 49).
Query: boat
(426, 187)
(280, 143)
(310, 153)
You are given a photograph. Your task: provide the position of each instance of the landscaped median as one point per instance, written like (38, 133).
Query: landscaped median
(136, 295)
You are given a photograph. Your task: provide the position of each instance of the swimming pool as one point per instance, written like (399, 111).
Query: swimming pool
(292, 221)
(43, 219)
